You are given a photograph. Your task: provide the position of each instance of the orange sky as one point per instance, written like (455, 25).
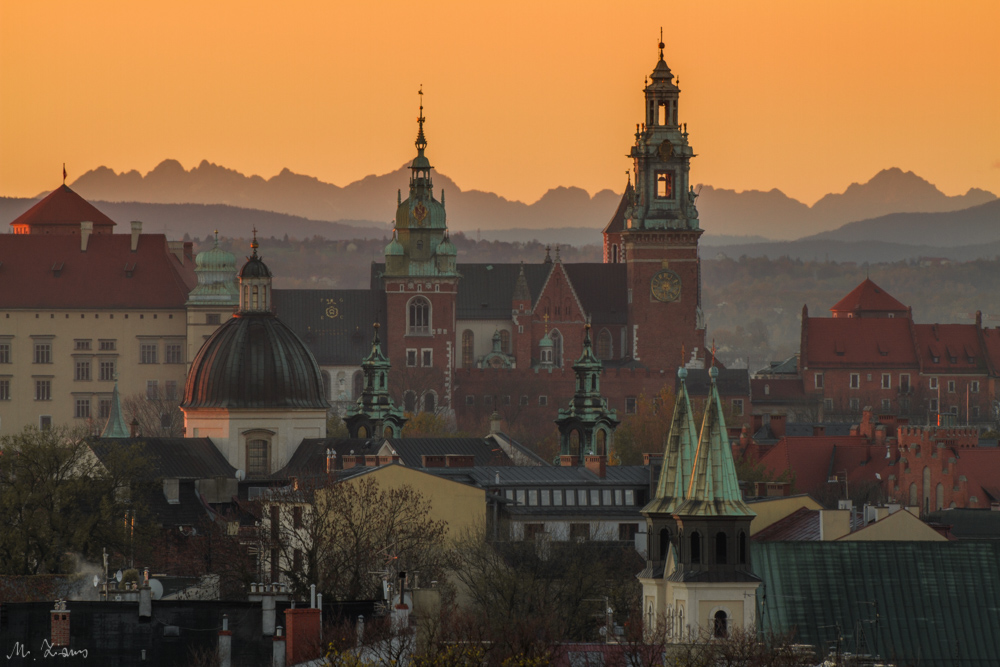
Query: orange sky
(520, 96)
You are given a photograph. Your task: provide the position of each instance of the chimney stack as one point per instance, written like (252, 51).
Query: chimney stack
(596, 464)
(495, 423)
(278, 653)
(225, 643)
(60, 624)
(136, 230)
(86, 229)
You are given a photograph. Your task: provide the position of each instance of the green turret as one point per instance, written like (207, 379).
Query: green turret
(374, 415)
(588, 420)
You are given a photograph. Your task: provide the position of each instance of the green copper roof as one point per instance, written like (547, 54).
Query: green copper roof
(375, 403)
(713, 489)
(116, 426)
(678, 455)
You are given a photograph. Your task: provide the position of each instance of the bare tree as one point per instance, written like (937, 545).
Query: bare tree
(158, 416)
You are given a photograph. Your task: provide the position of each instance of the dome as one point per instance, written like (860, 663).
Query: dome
(395, 248)
(545, 341)
(254, 361)
(446, 247)
(215, 259)
(254, 268)
(416, 212)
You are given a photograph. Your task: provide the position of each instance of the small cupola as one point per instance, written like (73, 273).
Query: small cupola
(255, 282)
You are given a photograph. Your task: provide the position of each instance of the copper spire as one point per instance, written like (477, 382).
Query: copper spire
(253, 244)
(421, 142)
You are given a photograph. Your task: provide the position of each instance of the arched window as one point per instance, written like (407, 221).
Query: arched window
(604, 345)
(720, 629)
(574, 442)
(927, 489)
(429, 401)
(358, 382)
(410, 401)
(419, 317)
(505, 341)
(664, 543)
(557, 347)
(695, 548)
(468, 340)
(602, 442)
(913, 495)
(326, 384)
(721, 548)
(388, 433)
(362, 431)
(258, 457)
(939, 500)
(743, 548)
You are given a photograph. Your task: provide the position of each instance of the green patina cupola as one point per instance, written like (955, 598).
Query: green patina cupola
(587, 425)
(375, 415)
(216, 271)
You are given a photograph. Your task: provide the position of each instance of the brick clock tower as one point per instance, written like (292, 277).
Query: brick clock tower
(421, 282)
(660, 234)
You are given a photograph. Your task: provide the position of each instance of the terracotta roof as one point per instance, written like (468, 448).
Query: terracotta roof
(950, 341)
(981, 467)
(50, 271)
(617, 222)
(800, 525)
(991, 342)
(856, 342)
(815, 459)
(64, 208)
(866, 298)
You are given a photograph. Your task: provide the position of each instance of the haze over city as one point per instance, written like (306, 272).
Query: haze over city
(520, 97)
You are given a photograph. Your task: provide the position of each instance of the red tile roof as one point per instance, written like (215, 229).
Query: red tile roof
(62, 209)
(815, 459)
(51, 271)
(856, 342)
(950, 341)
(991, 341)
(981, 467)
(866, 298)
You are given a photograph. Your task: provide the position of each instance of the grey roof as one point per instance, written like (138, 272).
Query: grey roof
(969, 524)
(188, 511)
(534, 476)
(603, 289)
(180, 458)
(485, 451)
(335, 324)
(309, 459)
(789, 366)
(731, 382)
(936, 601)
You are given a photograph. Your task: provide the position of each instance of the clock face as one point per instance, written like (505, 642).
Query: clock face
(666, 286)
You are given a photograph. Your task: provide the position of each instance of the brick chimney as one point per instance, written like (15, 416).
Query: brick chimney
(819, 430)
(302, 642)
(433, 461)
(568, 460)
(86, 229)
(60, 624)
(371, 460)
(459, 461)
(778, 425)
(350, 460)
(136, 231)
(596, 464)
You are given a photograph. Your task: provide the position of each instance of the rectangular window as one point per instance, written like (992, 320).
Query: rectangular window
(934, 405)
(953, 409)
(152, 389)
(543, 497)
(103, 408)
(411, 358)
(533, 497)
(627, 531)
(571, 497)
(595, 497)
(4, 389)
(107, 370)
(855, 405)
(618, 496)
(975, 411)
(4, 353)
(818, 380)
(664, 185)
(212, 318)
(606, 497)
(82, 370)
(488, 400)
(470, 399)
(932, 383)
(886, 381)
(581, 497)
(543, 400)
(82, 408)
(974, 386)
(427, 357)
(505, 399)
(80, 344)
(737, 407)
(828, 404)
(579, 532)
(520, 496)
(107, 345)
(855, 380)
(557, 496)
(297, 517)
(258, 464)
(45, 422)
(886, 405)
(524, 399)
(147, 353)
(951, 386)
(904, 383)
(173, 353)
(43, 390)
(629, 497)
(43, 353)
(630, 405)
(171, 389)
(904, 405)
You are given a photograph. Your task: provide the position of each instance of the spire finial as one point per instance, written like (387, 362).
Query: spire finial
(421, 142)
(713, 356)
(253, 243)
(216, 238)
(661, 43)
(64, 173)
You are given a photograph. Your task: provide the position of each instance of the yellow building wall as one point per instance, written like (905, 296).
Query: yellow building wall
(899, 526)
(774, 509)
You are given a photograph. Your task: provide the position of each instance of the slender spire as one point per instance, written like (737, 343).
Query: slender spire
(678, 454)
(661, 43)
(421, 142)
(116, 426)
(253, 244)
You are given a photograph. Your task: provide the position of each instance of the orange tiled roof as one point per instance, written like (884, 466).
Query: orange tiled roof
(857, 342)
(61, 209)
(868, 297)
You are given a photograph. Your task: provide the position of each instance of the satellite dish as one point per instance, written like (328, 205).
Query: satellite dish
(156, 589)
(118, 576)
(97, 581)
(240, 475)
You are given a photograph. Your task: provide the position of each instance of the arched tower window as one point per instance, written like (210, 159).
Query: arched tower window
(695, 548)
(468, 340)
(505, 341)
(721, 623)
(721, 548)
(557, 347)
(327, 384)
(574, 442)
(430, 401)
(358, 382)
(939, 499)
(604, 345)
(419, 314)
(602, 442)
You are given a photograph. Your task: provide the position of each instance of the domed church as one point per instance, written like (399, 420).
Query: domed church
(254, 388)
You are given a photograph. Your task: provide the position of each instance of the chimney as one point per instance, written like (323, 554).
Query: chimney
(371, 461)
(86, 229)
(136, 230)
(433, 461)
(495, 423)
(302, 642)
(60, 624)
(188, 251)
(567, 460)
(133, 428)
(145, 596)
(459, 461)
(278, 653)
(778, 425)
(596, 464)
(225, 643)
(177, 248)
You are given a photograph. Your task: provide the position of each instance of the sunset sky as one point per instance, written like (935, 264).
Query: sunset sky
(520, 97)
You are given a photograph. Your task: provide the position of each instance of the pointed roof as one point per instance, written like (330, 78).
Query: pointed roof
(678, 455)
(617, 222)
(116, 426)
(521, 291)
(868, 298)
(62, 208)
(713, 489)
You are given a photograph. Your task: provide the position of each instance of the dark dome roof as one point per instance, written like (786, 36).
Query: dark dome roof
(254, 361)
(255, 268)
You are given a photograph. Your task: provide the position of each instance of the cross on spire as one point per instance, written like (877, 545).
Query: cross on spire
(421, 142)
(661, 43)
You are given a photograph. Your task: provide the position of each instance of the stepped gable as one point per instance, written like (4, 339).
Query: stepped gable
(51, 272)
(869, 300)
(61, 212)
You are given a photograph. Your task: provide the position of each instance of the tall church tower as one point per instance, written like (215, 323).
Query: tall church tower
(660, 233)
(421, 283)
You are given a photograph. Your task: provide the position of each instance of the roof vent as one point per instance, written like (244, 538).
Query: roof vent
(57, 268)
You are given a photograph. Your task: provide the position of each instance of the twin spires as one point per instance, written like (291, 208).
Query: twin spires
(698, 476)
